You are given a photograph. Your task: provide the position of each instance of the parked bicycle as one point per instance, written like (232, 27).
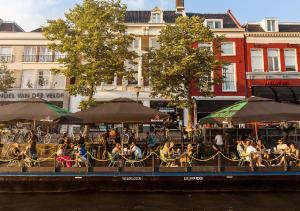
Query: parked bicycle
(43, 137)
(18, 135)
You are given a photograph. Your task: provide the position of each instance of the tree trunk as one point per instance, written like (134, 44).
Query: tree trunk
(86, 131)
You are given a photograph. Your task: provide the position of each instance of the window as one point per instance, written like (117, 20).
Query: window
(30, 54)
(45, 54)
(6, 54)
(290, 59)
(28, 79)
(154, 43)
(156, 18)
(273, 59)
(257, 60)
(228, 49)
(133, 67)
(59, 55)
(214, 24)
(229, 84)
(207, 46)
(58, 81)
(210, 86)
(135, 44)
(271, 27)
(43, 79)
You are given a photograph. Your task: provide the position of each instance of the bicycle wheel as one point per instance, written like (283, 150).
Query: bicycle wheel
(4, 138)
(20, 139)
(47, 138)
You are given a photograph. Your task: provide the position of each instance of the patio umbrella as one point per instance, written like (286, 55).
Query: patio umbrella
(120, 110)
(31, 109)
(255, 109)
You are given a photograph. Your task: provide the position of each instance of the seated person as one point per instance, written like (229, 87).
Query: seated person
(116, 151)
(292, 153)
(135, 151)
(281, 146)
(61, 156)
(81, 155)
(15, 152)
(151, 141)
(186, 157)
(240, 148)
(262, 149)
(252, 154)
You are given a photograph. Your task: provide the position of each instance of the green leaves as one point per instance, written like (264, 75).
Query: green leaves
(6, 78)
(187, 60)
(96, 46)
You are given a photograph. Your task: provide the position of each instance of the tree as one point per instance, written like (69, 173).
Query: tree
(185, 62)
(6, 78)
(95, 46)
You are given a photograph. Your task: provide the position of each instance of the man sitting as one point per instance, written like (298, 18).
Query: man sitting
(135, 151)
(81, 155)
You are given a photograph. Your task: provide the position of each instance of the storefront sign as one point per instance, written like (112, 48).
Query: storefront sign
(167, 110)
(276, 83)
(21, 94)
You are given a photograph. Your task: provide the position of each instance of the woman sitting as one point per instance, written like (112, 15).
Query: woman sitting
(253, 156)
(263, 151)
(292, 155)
(15, 152)
(185, 158)
(62, 157)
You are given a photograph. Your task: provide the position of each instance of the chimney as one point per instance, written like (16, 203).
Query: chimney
(179, 6)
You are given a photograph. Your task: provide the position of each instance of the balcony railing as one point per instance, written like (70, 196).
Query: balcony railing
(7, 58)
(42, 58)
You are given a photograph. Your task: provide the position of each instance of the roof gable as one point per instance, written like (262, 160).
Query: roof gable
(10, 27)
(170, 17)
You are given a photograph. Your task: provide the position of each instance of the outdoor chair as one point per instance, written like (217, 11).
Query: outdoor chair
(134, 163)
(14, 162)
(165, 161)
(113, 160)
(30, 162)
(243, 159)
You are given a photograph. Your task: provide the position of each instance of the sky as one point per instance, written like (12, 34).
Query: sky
(31, 14)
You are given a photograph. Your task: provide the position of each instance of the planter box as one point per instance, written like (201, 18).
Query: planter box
(137, 169)
(207, 169)
(236, 169)
(39, 169)
(104, 169)
(269, 169)
(294, 168)
(172, 169)
(10, 170)
(73, 170)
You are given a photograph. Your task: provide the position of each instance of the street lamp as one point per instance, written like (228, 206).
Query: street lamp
(137, 90)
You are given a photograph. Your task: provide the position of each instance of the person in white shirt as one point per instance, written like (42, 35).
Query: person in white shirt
(136, 151)
(219, 144)
(253, 154)
(281, 147)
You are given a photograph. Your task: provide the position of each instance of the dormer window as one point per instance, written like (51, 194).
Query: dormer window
(271, 25)
(214, 23)
(156, 16)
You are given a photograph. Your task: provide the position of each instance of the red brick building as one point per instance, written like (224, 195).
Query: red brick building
(273, 58)
(232, 89)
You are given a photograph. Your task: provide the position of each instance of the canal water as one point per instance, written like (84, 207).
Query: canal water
(146, 201)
